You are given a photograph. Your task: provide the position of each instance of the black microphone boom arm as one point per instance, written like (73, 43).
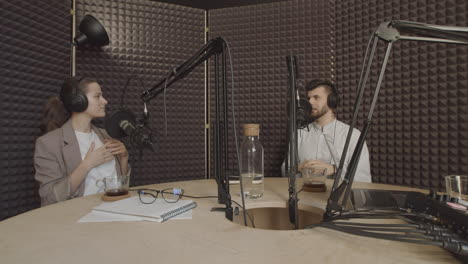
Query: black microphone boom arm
(292, 159)
(389, 32)
(215, 47)
(212, 47)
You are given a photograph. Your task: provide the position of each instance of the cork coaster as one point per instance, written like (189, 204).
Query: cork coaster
(114, 198)
(316, 187)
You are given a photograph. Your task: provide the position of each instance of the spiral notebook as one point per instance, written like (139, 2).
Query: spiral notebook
(160, 210)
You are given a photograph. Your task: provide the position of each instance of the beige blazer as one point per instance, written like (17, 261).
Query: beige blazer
(56, 156)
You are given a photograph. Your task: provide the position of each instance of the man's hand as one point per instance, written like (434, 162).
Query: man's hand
(317, 164)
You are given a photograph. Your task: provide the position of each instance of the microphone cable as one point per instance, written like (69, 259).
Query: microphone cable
(200, 197)
(434, 234)
(371, 213)
(454, 246)
(417, 233)
(124, 90)
(245, 212)
(427, 226)
(236, 142)
(122, 105)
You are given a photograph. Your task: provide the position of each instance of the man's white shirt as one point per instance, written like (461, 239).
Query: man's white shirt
(327, 144)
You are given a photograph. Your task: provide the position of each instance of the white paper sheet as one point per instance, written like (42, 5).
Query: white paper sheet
(100, 216)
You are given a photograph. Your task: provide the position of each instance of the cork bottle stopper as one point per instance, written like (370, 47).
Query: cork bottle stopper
(251, 130)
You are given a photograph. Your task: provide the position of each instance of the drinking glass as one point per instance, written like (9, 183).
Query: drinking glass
(456, 186)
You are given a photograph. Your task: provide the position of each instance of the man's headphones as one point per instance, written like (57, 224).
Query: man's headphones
(72, 96)
(333, 99)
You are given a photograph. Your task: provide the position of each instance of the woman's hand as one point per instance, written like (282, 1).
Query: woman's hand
(97, 157)
(116, 147)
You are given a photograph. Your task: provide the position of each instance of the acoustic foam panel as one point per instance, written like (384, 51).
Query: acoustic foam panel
(260, 38)
(35, 59)
(149, 39)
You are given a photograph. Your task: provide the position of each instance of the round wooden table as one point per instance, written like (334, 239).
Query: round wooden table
(52, 234)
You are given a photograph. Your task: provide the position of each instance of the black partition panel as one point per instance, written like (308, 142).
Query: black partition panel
(35, 59)
(420, 122)
(260, 38)
(148, 39)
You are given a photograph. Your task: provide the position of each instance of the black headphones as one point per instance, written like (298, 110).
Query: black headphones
(72, 96)
(333, 99)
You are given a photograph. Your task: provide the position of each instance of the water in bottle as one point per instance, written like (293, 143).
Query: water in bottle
(251, 166)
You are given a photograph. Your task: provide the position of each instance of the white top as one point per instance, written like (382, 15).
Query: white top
(104, 170)
(327, 144)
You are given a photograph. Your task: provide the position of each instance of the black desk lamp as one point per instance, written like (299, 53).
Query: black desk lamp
(389, 32)
(92, 33)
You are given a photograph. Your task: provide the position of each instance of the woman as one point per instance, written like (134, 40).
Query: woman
(70, 159)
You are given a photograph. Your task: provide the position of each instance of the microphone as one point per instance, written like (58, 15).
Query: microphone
(304, 109)
(121, 124)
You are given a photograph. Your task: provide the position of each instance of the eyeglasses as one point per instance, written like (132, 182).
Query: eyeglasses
(170, 195)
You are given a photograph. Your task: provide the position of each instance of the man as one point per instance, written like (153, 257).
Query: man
(321, 143)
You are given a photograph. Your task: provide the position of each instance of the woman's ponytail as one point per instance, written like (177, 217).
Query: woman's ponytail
(54, 116)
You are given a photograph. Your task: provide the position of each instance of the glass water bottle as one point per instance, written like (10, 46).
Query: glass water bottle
(251, 162)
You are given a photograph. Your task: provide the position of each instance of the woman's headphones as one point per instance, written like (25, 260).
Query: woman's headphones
(72, 95)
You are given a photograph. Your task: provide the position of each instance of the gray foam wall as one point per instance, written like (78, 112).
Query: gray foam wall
(34, 55)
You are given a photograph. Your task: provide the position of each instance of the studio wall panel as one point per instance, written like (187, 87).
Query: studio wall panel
(419, 125)
(260, 38)
(149, 39)
(35, 59)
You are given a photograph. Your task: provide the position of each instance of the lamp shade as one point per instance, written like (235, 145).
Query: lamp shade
(91, 32)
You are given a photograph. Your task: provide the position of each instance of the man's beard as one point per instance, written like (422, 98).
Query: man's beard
(319, 114)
